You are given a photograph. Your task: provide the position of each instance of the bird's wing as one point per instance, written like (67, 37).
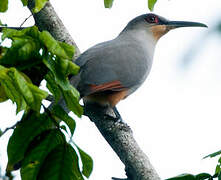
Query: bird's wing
(113, 85)
(110, 66)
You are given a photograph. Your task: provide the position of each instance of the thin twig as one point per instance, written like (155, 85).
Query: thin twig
(16, 28)
(25, 20)
(50, 98)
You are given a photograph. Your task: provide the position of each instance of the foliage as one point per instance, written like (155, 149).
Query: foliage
(151, 4)
(3, 5)
(109, 3)
(62, 156)
(213, 154)
(38, 144)
(15, 87)
(203, 176)
(39, 50)
(39, 4)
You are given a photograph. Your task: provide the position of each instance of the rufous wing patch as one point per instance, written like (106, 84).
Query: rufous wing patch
(106, 94)
(113, 85)
(107, 98)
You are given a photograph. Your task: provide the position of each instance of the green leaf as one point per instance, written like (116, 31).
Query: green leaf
(31, 126)
(213, 154)
(39, 4)
(183, 177)
(20, 91)
(11, 89)
(203, 176)
(36, 156)
(1, 132)
(38, 96)
(25, 47)
(67, 67)
(11, 33)
(219, 176)
(200, 176)
(218, 169)
(2, 49)
(24, 2)
(219, 160)
(151, 4)
(61, 163)
(59, 69)
(55, 47)
(63, 127)
(71, 97)
(87, 163)
(3, 5)
(108, 3)
(53, 87)
(59, 112)
(72, 68)
(69, 49)
(3, 96)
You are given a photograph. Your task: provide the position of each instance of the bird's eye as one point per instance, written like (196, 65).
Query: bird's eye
(152, 19)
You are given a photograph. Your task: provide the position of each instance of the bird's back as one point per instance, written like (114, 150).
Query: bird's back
(122, 60)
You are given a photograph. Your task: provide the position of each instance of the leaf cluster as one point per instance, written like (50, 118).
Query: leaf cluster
(203, 176)
(39, 4)
(151, 4)
(39, 148)
(32, 57)
(39, 144)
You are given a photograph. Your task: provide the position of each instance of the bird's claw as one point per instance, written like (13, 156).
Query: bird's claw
(113, 114)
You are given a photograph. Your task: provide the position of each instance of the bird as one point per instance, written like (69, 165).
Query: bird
(111, 71)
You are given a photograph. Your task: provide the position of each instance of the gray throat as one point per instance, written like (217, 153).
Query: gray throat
(143, 37)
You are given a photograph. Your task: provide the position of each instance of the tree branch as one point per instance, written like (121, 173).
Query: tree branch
(47, 19)
(120, 137)
(117, 134)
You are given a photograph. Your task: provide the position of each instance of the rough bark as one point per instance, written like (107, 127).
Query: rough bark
(117, 134)
(48, 20)
(120, 137)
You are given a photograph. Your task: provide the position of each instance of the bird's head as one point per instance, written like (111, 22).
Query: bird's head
(158, 25)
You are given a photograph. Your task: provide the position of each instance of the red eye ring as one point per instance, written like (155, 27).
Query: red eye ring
(152, 19)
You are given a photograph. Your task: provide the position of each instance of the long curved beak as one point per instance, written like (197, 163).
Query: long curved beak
(177, 24)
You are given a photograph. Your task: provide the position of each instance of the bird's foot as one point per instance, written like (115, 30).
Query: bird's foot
(113, 114)
(106, 111)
